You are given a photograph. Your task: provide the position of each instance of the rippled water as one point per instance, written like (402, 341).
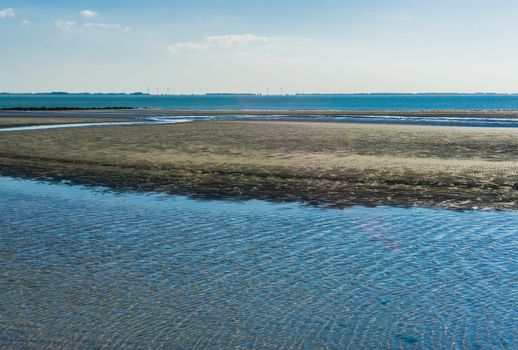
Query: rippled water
(83, 268)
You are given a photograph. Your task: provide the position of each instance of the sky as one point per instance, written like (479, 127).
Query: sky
(325, 46)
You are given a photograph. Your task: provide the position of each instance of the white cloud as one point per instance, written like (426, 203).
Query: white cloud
(25, 22)
(65, 25)
(222, 41)
(7, 13)
(108, 26)
(88, 13)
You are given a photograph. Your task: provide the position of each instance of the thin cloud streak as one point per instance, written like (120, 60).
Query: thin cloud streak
(64, 24)
(221, 41)
(115, 26)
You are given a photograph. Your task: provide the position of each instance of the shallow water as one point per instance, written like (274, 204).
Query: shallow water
(83, 125)
(394, 120)
(85, 268)
(365, 119)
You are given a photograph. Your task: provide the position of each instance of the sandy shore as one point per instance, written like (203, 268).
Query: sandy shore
(335, 164)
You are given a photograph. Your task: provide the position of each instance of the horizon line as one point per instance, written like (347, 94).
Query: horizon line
(256, 94)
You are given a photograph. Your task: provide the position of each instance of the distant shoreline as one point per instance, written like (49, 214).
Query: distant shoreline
(139, 93)
(59, 108)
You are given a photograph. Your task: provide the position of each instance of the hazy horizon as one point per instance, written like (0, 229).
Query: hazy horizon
(252, 93)
(333, 47)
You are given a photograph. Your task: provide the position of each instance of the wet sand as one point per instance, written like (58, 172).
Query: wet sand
(335, 164)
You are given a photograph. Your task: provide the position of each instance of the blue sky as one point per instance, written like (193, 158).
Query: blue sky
(236, 46)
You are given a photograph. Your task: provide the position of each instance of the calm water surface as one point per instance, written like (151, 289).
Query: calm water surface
(83, 268)
(339, 102)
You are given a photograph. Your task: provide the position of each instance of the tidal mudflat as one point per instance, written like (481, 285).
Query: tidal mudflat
(334, 164)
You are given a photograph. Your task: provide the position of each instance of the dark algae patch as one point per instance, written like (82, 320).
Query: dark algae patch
(62, 108)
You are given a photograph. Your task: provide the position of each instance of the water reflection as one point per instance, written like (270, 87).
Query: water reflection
(81, 268)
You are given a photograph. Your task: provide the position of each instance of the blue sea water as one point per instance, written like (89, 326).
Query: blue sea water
(86, 268)
(338, 102)
(307, 102)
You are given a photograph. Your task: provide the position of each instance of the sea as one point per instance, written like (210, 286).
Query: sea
(251, 103)
(92, 268)
(406, 102)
